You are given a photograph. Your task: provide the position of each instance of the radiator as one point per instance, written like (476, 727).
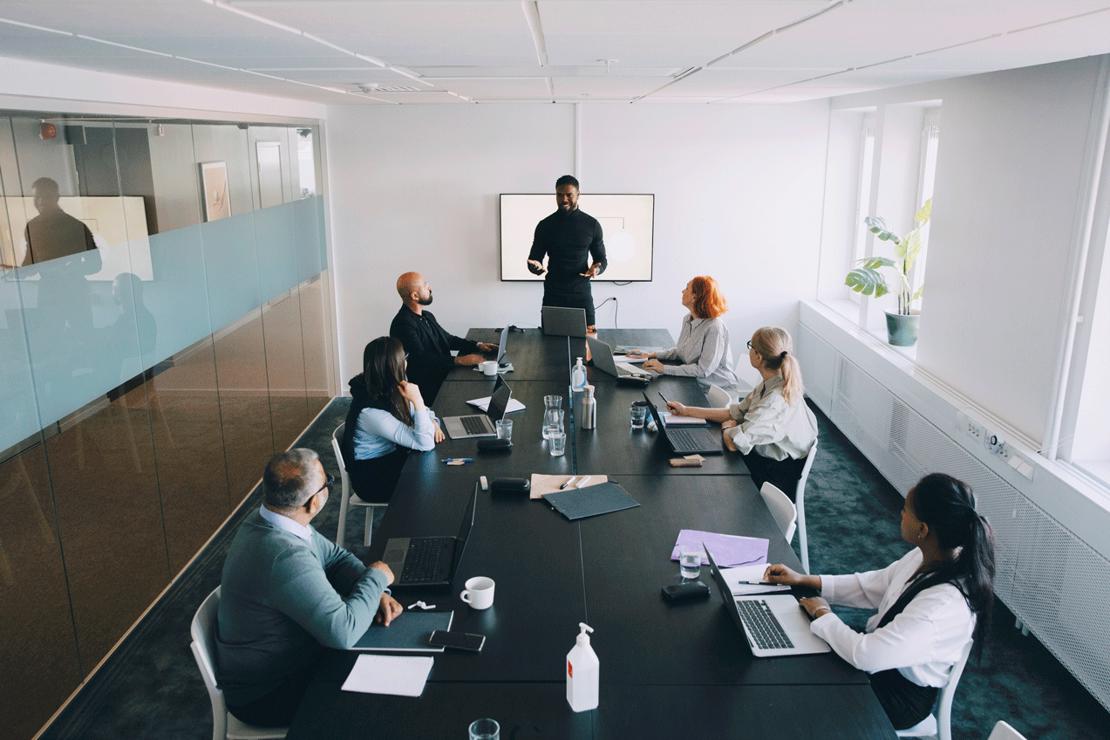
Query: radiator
(1048, 577)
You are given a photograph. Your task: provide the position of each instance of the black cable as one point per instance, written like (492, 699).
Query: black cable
(616, 309)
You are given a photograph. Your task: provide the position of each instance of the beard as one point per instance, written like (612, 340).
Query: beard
(426, 301)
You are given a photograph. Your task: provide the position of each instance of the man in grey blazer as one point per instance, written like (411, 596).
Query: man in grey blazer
(287, 592)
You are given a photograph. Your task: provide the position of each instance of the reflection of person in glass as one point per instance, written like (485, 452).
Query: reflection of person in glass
(567, 237)
(54, 233)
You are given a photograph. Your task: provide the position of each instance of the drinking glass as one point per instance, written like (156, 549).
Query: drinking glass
(552, 415)
(485, 729)
(637, 414)
(504, 429)
(558, 443)
(689, 563)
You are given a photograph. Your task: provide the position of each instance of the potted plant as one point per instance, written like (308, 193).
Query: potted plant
(867, 279)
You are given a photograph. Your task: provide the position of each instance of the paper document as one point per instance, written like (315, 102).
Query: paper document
(733, 576)
(545, 484)
(629, 360)
(728, 550)
(389, 674)
(674, 420)
(483, 404)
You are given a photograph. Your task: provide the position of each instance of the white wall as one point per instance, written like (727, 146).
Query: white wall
(738, 195)
(1009, 179)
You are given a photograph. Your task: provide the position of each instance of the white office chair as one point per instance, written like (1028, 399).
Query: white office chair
(1003, 731)
(782, 509)
(349, 497)
(717, 397)
(800, 505)
(939, 723)
(224, 724)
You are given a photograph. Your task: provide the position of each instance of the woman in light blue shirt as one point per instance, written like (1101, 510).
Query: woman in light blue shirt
(392, 421)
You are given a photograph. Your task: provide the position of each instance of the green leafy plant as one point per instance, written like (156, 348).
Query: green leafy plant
(869, 281)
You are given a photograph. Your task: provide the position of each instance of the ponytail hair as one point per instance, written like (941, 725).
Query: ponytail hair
(947, 506)
(776, 348)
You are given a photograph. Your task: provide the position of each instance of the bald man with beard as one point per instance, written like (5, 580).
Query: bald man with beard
(427, 343)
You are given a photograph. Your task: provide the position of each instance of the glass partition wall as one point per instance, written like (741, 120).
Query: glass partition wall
(163, 330)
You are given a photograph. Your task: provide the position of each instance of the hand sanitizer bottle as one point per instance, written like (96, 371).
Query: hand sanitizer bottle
(583, 670)
(578, 376)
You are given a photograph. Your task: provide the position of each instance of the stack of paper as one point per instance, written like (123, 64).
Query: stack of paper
(728, 550)
(389, 674)
(545, 484)
(734, 577)
(482, 404)
(674, 420)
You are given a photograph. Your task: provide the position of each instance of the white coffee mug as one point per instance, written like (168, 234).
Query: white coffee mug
(478, 592)
(488, 367)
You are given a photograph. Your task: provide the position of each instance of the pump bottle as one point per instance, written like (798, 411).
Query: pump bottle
(578, 376)
(582, 672)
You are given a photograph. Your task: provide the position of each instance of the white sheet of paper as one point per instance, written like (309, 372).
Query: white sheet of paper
(483, 404)
(674, 420)
(389, 674)
(629, 360)
(733, 576)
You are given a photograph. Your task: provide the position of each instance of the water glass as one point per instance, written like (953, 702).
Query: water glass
(553, 420)
(485, 729)
(637, 414)
(504, 429)
(558, 443)
(689, 563)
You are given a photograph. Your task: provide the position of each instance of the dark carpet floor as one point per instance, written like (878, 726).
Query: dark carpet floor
(151, 688)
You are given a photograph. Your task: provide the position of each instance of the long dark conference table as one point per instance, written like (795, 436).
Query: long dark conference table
(667, 671)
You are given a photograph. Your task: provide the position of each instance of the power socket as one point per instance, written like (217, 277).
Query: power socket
(972, 428)
(996, 445)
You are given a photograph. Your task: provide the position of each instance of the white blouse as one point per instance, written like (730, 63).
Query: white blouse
(923, 642)
(769, 425)
(703, 352)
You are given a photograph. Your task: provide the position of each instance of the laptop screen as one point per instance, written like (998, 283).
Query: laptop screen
(503, 346)
(655, 414)
(499, 401)
(464, 528)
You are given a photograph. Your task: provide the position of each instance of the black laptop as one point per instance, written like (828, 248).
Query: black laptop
(429, 561)
(701, 441)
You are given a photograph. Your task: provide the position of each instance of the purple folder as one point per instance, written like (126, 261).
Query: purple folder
(728, 550)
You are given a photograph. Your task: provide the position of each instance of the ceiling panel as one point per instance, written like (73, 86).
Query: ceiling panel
(602, 87)
(414, 34)
(722, 83)
(499, 88)
(868, 31)
(681, 34)
(594, 70)
(431, 96)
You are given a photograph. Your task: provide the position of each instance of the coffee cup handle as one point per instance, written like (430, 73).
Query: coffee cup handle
(465, 597)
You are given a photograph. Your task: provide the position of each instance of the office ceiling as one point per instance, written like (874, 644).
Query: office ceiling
(383, 52)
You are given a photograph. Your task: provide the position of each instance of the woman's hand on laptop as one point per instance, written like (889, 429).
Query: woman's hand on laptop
(815, 606)
(654, 365)
(779, 573)
(676, 408)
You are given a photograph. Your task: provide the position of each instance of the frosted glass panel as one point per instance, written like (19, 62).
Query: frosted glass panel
(231, 269)
(276, 239)
(311, 247)
(174, 305)
(19, 417)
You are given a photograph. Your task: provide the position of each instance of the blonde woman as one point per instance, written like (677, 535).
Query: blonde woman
(772, 427)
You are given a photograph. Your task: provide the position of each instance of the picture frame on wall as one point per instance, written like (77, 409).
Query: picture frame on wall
(216, 190)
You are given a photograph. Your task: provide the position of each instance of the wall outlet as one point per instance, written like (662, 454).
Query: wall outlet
(972, 428)
(996, 445)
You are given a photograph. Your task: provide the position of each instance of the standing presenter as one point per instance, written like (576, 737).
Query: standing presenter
(568, 238)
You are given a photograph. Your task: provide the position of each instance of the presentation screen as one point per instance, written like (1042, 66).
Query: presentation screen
(627, 225)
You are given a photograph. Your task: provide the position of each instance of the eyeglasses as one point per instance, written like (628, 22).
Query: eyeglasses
(328, 483)
(749, 344)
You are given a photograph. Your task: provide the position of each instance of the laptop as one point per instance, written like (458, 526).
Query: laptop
(603, 360)
(703, 441)
(563, 322)
(773, 624)
(481, 425)
(429, 561)
(503, 362)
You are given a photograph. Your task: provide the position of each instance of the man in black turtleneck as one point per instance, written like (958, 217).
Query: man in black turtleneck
(567, 237)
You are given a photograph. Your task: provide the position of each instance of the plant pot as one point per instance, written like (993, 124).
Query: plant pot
(901, 329)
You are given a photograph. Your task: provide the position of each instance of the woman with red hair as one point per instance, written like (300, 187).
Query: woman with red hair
(703, 350)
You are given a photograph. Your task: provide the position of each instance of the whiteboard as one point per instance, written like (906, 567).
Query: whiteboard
(627, 225)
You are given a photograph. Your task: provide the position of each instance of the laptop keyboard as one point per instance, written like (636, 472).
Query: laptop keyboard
(474, 424)
(687, 440)
(763, 625)
(630, 369)
(424, 558)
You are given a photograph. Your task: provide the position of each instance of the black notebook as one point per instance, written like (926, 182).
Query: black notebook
(408, 633)
(591, 501)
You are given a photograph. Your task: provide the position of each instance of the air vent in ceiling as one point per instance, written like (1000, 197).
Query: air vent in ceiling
(377, 88)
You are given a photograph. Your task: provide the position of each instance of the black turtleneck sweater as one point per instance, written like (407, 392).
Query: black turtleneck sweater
(567, 239)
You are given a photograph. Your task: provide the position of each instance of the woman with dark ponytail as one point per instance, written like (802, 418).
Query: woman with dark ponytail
(772, 427)
(930, 603)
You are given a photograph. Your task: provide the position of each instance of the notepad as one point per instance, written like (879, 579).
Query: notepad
(482, 404)
(734, 576)
(582, 503)
(407, 633)
(674, 420)
(545, 485)
(389, 674)
(728, 549)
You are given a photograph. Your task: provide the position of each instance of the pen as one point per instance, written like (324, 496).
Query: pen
(567, 482)
(760, 583)
(665, 401)
(582, 482)
(457, 460)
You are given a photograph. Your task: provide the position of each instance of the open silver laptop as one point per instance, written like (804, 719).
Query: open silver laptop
(563, 322)
(481, 425)
(602, 355)
(774, 624)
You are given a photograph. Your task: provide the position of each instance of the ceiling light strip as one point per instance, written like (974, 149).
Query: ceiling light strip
(1060, 20)
(122, 46)
(531, 10)
(689, 72)
(33, 27)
